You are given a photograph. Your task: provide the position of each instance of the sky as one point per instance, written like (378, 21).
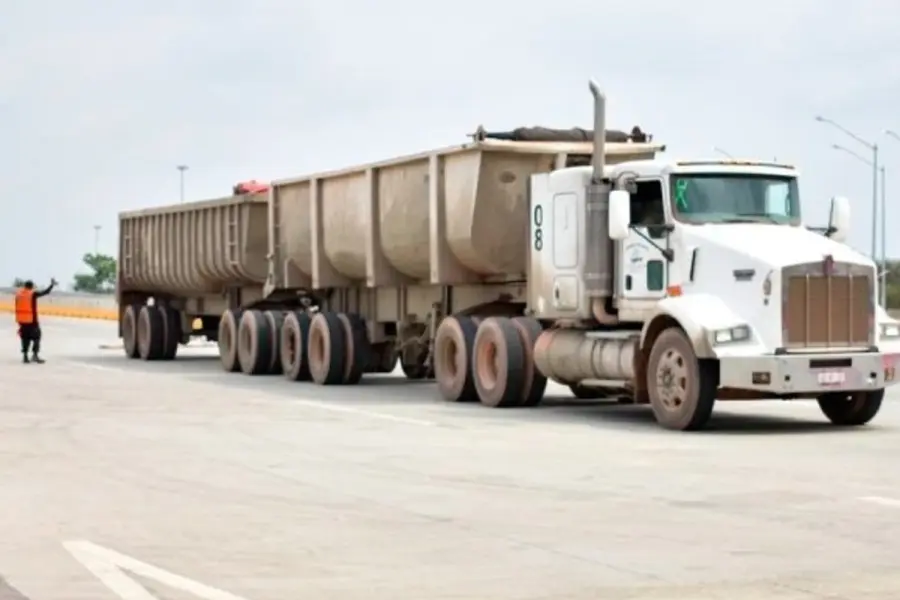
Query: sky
(100, 101)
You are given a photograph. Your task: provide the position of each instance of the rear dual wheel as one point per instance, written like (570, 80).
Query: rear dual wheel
(491, 361)
(337, 348)
(255, 343)
(503, 365)
(249, 341)
(151, 332)
(259, 345)
(453, 344)
(228, 340)
(129, 327)
(328, 348)
(294, 342)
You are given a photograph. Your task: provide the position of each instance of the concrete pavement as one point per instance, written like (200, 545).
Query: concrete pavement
(124, 479)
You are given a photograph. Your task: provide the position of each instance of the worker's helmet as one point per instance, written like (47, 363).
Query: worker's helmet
(29, 284)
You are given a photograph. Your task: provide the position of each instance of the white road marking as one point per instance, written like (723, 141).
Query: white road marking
(95, 367)
(350, 410)
(882, 501)
(309, 403)
(108, 566)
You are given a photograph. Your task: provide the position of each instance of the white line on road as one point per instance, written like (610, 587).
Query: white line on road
(108, 566)
(350, 410)
(881, 500)
(309, 403)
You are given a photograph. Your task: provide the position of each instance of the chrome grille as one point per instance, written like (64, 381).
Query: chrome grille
(828, 307)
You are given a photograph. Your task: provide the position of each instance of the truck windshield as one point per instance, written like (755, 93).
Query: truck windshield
(738, 198)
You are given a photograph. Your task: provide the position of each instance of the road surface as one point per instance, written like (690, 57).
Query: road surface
(132, 480)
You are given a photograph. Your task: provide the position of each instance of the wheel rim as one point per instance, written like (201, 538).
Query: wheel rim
(143, 331)
(449, 357)
(129, 331)
(671, 379)
(245, 340)
(291, 350)
(316, 350)
(488, 369)
(225, 336)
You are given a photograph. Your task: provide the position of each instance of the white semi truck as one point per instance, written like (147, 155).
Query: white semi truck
(499, 264)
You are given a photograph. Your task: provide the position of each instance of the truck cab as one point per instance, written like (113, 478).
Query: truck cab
(720, 290)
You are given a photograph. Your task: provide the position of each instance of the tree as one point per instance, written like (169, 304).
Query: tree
(102, 279)
(18, 282)
(892, 281)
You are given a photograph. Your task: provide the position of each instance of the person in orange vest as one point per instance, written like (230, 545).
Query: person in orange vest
(27, 319)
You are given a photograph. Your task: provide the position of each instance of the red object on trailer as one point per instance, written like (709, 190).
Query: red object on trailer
(250, 187)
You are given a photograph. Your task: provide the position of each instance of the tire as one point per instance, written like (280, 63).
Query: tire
(327, 349)
(294, 340)
(384, 358)
(534, 382)
(129, 330)
(254, 343)
(586, 392)
(228, 338)
(498, 363)
(682, 388)
(416, 371)
(453, 344)
(172, 330)
(275, 320)
(358, 354)
(851, 409)
(151, 333)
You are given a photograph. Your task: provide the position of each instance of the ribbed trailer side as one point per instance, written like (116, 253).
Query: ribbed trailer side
(450, 217)
(194, 249)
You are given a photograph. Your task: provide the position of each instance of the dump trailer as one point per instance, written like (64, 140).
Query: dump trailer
(579, 256)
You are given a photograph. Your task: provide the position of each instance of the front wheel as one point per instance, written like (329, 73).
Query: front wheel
(681, 387)
(851, 408)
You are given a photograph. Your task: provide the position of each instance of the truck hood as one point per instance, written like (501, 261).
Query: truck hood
(775, 245)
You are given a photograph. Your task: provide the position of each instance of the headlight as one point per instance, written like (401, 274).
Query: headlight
(890, 330)
(740, 333)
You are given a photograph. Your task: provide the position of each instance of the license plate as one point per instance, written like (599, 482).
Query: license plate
(832, 377)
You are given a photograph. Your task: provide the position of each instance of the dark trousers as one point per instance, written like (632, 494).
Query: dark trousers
(31, 338)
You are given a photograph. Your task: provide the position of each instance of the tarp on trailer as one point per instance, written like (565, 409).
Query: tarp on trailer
(547, 134)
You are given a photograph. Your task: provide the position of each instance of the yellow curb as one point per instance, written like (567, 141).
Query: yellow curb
(72, 312)
(82, 312)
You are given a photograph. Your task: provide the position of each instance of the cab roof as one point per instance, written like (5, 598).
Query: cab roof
(658, 166)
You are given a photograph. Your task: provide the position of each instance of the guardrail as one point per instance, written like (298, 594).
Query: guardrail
(67, 304)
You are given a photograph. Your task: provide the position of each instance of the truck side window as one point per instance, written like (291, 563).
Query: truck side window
(647, 208)
(656, 275)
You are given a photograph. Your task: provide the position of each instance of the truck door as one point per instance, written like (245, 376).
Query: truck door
(644, 271)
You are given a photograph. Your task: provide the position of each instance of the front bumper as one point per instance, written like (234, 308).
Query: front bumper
(810, 373)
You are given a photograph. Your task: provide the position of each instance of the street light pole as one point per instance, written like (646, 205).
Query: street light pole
(875, 199)
(882, 277)
(97, 229)
(874, 148)
(896, 137)
(884, 267)
(722, 152)
(181, 170)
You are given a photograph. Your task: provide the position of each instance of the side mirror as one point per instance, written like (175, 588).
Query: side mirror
(839, 219)
(619, 214)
